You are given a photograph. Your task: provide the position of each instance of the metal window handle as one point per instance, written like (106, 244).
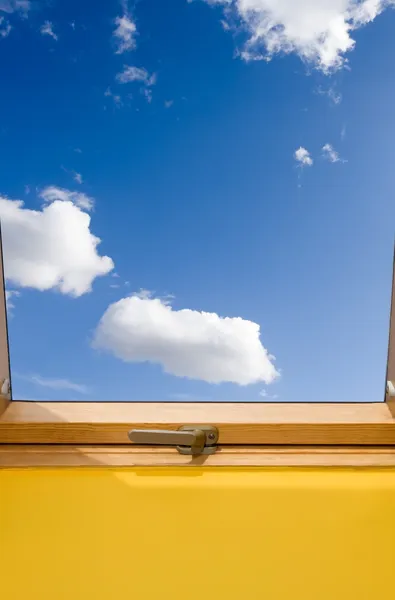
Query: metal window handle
(189, 439)
(390, 389)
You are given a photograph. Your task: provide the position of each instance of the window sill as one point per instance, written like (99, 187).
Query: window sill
(19, 456)
(238, 423)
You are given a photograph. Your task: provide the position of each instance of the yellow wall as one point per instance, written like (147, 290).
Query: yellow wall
(197, 534)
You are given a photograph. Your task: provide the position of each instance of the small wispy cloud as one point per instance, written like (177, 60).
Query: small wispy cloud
(330, 154)
(131, 73)
(137, 74)
(78, 150)
(343, 132)
(53, 193)
(225, 25)
(47, 29)
(147, 92)
(9, 294)
(56, 384)
(77, 177)
(265, 394)
(334, 96)
(5, 27)
(11, 6)
(115, 97)
(124, 34)
(169, 103)
(303, 157)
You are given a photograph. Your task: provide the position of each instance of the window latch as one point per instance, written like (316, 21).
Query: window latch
(390, 389)
(188, 439)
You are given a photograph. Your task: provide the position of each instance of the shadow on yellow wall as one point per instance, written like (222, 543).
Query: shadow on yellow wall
(197, 534)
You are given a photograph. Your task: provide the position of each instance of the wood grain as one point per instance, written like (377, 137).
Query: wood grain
(390, 374)
(135, 456)
(4, 402)
(240, 423)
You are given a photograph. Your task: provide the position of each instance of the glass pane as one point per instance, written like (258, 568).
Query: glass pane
(197, 198)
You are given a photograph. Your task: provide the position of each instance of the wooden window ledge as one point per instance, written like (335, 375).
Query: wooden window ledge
(51, 434)
(238, 424)
(17, 456)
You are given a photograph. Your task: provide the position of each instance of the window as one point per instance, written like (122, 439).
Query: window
(248, 433)
(198, 231)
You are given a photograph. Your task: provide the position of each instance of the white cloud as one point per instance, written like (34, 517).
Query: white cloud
(116, 99)
(5, 27)
(186, 343)
(52, 248)
(53, 193)
(47, 29)
(329, 153)
(169, 103)
(264, 394)
(10, 6)
(331, 93)
(78, 178)
(318, 31)
(85, 202)
(225, 25)
(147, 92)
(57, 384)
(302, 156)
(9, 294)
(130, 74)
(124, 34)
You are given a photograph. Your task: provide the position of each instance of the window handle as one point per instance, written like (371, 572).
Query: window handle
(390, 389)
(188, 439)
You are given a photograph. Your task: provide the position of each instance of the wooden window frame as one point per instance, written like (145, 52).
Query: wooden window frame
(282, 434)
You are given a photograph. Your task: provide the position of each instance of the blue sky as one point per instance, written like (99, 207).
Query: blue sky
(176, 128)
